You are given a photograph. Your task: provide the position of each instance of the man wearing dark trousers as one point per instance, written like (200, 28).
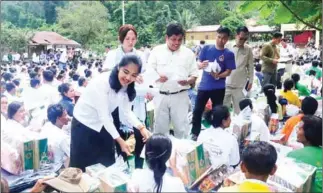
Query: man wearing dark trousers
(212, 84)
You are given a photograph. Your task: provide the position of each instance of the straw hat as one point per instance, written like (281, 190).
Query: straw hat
(72, 180)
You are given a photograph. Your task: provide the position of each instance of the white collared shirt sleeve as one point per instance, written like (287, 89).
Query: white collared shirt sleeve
(128, 118)
(250, 65)
(193, 66)
(110, 60)
(95, 105)
(152, 60)
(101, 102)
(65, 145)
(234, 156)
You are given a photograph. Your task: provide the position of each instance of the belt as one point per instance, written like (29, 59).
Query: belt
(170, 93)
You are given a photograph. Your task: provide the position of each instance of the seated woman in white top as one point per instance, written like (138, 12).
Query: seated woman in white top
(222, 146)
(15, 131)
(155, 178)
(4, 110)
(258, 125)
(58, 141)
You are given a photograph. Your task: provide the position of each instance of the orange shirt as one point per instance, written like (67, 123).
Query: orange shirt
(290, 124)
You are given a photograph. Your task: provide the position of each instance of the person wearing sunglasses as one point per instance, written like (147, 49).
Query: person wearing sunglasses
(243, 74)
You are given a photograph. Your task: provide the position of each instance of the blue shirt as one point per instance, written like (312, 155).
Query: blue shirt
(225, 58)
(68, 105)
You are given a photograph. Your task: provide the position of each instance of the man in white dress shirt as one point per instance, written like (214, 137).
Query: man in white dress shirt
(176, 66)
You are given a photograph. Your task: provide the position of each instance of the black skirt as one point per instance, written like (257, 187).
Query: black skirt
(89, 147)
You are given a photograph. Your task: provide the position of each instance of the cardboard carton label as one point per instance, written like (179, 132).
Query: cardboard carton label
(28, 158)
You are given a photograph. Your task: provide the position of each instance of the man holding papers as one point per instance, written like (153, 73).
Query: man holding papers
(240, 80)
(177, 69)
(213, 82)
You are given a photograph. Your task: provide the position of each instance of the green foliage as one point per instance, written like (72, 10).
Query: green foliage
(211, 12)
(232, 22)
(308, 12)
(86, 23)
(13, 38)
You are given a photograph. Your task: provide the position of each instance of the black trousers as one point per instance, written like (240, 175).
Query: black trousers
(89, 147)
(139, 162)
(216, 96)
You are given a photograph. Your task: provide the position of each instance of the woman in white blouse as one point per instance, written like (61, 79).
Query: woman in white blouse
(15, 131)
(155, 178)
(127, 36)
(93, 131)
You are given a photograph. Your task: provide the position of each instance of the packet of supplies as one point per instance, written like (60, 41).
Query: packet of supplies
(213, 180)
(131, 142)
(213, 66)
(273, 123)
(95, 170)
(113, 180)
(293, 175)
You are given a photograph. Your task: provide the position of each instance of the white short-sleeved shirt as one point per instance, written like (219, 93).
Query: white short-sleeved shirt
(142, 180)
(58, 141)
(259, 125)
(222, 146)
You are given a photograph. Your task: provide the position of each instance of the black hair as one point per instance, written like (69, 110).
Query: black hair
(288, 84)
(7, 76)
(13, 108)
(88, 73)
(34, 82)
(53, 69)
(174, 29)
(217, 115)
(313, 129)
(36, 69)
(244, 103)
(277, 35)
(16, 81)
(320, 63)
(315, 63)
(309, 105)
(223, 30)
(71, 73)
(201, 42)
(269, 91)
(295, 78)
(10, 86)
(59, 76)
(64, 88)
(75, 77)
(114, 80)
(81, 81)
(242, 29)
(259, 158)
(312, 73)
(48, 75)
(258, 67)
(54, 111)
(158, 151)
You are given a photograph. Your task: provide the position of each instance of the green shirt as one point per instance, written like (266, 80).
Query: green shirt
(302, 90)
(317, 70)
(268, 54)
(313, 156)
